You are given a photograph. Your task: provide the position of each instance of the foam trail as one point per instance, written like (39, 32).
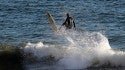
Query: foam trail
(84, 49)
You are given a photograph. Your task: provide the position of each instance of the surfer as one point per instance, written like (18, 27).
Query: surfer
(69, 22)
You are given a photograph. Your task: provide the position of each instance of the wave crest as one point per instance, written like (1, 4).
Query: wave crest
(83, 50)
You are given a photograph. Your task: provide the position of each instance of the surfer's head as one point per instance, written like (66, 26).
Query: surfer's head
(67, 14)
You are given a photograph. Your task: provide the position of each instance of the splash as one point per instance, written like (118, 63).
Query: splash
(40, 50)
(84, 49)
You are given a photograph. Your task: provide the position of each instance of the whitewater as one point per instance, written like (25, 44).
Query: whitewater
(82, 49)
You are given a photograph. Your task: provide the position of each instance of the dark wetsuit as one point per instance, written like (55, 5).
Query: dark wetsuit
(69, 23)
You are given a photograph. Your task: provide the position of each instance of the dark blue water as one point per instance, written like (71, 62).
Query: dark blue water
(23, 21)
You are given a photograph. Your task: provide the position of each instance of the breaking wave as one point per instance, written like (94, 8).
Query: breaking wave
(82, 50)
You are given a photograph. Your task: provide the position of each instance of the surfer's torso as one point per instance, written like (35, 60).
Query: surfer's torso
(68, 23)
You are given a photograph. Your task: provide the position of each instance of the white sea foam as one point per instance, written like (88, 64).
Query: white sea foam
(84, 49)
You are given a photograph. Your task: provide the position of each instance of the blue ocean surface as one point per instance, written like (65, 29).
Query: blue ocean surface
(97, 44)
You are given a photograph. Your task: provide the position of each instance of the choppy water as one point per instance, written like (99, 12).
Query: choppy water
(99, 44)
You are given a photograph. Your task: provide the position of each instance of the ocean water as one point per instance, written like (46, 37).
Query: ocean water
(97, 44)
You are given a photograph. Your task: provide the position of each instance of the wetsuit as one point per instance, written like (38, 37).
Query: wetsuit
(69, 23)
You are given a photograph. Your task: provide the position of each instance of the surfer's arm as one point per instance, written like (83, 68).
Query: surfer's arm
(63, 23)
(74, 24)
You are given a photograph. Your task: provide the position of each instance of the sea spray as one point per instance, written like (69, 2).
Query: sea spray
(83, 50)
(40, 50)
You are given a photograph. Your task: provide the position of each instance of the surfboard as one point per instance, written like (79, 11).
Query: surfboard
(52, 21)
